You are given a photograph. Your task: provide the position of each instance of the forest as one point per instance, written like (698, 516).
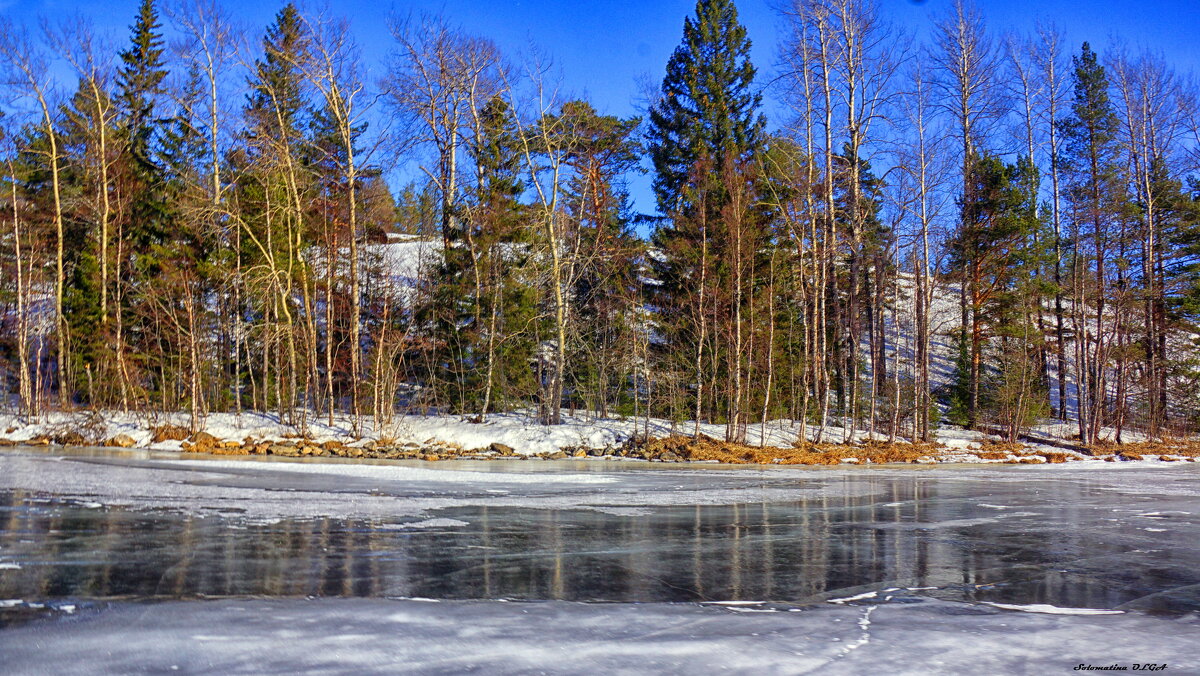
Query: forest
(202, 220)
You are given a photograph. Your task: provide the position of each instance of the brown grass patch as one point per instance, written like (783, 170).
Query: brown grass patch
(169, 433)
(1186, 448)
(685, 448)
(1054, 457)
(995, 446)
(992, 455)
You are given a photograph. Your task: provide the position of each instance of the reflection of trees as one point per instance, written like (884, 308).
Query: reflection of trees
(795, 551)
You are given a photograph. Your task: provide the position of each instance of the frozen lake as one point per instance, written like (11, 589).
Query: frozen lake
(156, 561)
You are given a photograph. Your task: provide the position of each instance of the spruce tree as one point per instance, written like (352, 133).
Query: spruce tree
(482, 305)
(141, 85)
(276, 117)
(498, 225)
(705, 139)
(141, 79)
(273, 186)
(82, 249)
(709, 107)
(1173, 286)
(276, 99)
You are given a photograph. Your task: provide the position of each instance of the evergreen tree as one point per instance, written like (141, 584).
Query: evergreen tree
(417, 209)
(709, 108)
(1095, 197)
(141, 80)
(705, 140)
(275, 114)
(870, 253)
(482, 303)
(276, 100)
(497, 224)
(141, 85)
(82, 251)
(324, 155)
(274, 190)
(1176, 303)
(994, 250)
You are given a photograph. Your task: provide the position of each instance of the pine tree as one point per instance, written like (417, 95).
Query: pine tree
(324, 155)
(141, 80)
(274, 191)
(995, 253)
(1095, 197)
(482, 304)
(497, 226)
(1176, 301)
(83, 296)
(417, 209)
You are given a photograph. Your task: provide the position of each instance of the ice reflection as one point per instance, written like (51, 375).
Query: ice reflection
(917, 534)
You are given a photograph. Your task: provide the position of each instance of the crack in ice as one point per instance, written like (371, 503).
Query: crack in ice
(864, 623)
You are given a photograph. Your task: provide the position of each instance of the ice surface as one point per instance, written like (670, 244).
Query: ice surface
(380, 636)
(822, 570)
(285, 489)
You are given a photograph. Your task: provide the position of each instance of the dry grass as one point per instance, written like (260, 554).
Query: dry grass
(991, 449)
(1164, 448)
(706, 448)
(992, 455)
(1188, 448)
(992, 445)
(169, 433)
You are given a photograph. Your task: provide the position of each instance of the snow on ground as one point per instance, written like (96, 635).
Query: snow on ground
(519, 430)
(409, 636)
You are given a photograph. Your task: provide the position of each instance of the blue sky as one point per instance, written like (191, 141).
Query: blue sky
(605, 48)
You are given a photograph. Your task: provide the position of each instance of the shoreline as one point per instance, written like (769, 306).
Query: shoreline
(832, 456)
(516, 436)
